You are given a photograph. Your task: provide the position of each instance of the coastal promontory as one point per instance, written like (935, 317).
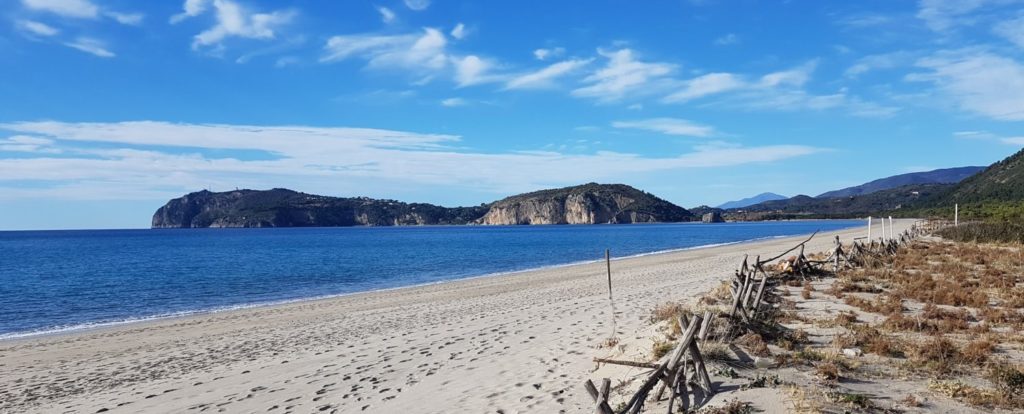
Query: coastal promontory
(585, 204)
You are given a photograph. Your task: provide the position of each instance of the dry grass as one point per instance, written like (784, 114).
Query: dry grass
(755, 344)
(669, 311)
(944, 310)
(661, 348)
(936, 354)
(731, 407)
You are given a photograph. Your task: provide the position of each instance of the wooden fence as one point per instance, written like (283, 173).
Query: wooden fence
(683, 371)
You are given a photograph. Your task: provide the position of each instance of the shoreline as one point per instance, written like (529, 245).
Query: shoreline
(94, 326)
(518, 343)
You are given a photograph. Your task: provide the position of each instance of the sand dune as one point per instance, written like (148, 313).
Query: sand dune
(521, 342)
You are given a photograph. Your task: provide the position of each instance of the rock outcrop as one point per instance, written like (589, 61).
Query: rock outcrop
(586, 204)
(712, 217)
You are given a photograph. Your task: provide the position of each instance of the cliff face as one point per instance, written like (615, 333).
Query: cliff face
(585, 204)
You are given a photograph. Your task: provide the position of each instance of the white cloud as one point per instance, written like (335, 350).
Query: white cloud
(544, 78)
(192, 8)
(942, 15)
(472, 70)
(777, 91)
(25, 143)
(797, 76)
(979, 81)
(233, 20)
(386, 15)
(131, 19)
(318, 160)
(82, 9)
(38, 29)
(545, 54)
(453, 102)
(729, 39)
(286, 61)
(988, 136)
(92, 46)
(879, 62)
(709, 84)
(622, 76)
(1012, 30)
(668, 126)
(460, 32)
(417, 53)
(417, 5)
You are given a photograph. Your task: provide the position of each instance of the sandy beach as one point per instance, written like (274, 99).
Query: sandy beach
(519, 342)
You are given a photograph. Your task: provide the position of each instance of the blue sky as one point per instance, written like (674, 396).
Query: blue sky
(109, 108)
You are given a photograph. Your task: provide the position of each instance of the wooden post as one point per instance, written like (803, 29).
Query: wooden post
(602, 401)
(892, 231)
(608, 264)
(869, 228)
(956, 215)
(705, 326)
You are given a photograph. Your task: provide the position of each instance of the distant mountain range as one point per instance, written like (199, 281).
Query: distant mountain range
(996, 191)
(941, 176)
(760, 198)
(584, 204)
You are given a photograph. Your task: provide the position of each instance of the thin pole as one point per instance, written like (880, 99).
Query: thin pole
(956, 214)
(869, 228)
(883, 228)
(608, 263)
(892, 234)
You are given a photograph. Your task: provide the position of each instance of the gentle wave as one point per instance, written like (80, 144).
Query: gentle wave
(58, 330)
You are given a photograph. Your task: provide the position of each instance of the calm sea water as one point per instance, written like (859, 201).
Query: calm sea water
(57, 280)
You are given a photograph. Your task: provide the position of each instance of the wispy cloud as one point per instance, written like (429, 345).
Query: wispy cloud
(418, 53)
(880, 62)
(459, 32)
(473, 70)
(704, 85)
(81, 9)
(624, 75)
(386, 15)
(91, 46)
(131, 19)
(233, 20)
(25, 143)
(544, 78)
(668, 126)
(548, 53)
(453, 102)
(318, 159)
(728, 39)
(37, 29)
(979, 81)
(988, 136)
(1011, 30)
(942, 15)
(417, 5)
(782, 90)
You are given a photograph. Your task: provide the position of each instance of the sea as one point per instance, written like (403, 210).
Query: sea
(57, 281)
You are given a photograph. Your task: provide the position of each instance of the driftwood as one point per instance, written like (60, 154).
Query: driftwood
(637, 364)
